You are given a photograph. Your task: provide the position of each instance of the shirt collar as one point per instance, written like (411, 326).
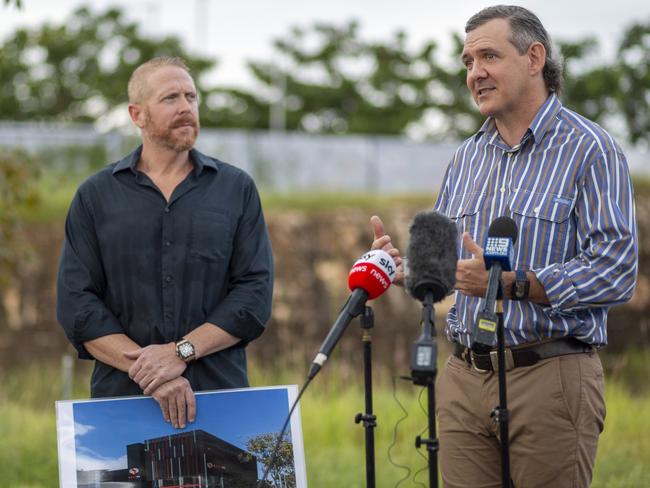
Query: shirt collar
(541, 123)
(199, 160)
(545, 117)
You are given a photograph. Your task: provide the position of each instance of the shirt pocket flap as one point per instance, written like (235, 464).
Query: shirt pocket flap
(465, 205)
(545, 206)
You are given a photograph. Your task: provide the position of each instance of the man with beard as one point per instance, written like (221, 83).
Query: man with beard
(166, 271)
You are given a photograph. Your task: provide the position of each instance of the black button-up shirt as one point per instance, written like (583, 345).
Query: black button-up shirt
(135, 264)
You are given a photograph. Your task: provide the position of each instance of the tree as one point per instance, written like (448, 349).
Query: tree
(78, 71)
(324, 78)
(18, 174)
(282, 471)
(335, 82)
(634, 86)
(590, 86)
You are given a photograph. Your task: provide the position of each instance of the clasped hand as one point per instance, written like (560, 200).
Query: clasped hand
(157, 370)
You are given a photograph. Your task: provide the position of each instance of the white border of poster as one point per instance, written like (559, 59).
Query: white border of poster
(250, 412)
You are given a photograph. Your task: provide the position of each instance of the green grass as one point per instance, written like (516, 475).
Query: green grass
(624, 451)
(56, 192)
(324, 201)
(334, 444)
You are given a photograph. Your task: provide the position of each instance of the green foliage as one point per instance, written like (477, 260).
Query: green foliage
(325, 78)
(78, 71)
(280, 466)
(333, 81)
(18, 176)
(634, 87)
(589, 91)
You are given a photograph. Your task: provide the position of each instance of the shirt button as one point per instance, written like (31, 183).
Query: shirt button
(168, 279)
(502, 189)
(166, 209)
(167, 243)
(536, 210)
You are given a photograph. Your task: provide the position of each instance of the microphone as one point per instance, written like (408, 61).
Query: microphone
(370, 277)
(497, 256)
(502, 236)
(432, 256)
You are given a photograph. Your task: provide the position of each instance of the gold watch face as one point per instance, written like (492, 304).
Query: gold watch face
(186, 350)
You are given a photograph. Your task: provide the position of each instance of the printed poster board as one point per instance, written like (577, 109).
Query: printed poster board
(125, 442)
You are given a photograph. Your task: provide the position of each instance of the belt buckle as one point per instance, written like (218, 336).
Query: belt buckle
(478, 370)
(494, 359)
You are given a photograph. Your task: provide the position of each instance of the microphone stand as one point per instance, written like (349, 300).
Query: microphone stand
(500, 413)
(423, 372)
(368, 419)
(489, 324)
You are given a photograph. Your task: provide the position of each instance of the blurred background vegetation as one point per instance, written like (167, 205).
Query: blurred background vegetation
(342, 85)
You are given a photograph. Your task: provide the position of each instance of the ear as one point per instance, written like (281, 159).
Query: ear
(136, 112)
(536, 58)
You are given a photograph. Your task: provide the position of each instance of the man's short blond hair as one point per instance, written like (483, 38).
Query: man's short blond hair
(137, 87)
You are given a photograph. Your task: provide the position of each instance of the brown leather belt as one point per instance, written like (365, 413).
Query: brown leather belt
(524, 355)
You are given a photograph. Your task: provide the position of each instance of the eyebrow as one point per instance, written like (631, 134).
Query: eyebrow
(176, 92)
(465, 56)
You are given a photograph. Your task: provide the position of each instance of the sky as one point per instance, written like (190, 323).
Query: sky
(240, 30)
(103, 429)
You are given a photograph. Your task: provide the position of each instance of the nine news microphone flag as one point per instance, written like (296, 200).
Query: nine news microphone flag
(497, 255)
(369, 277)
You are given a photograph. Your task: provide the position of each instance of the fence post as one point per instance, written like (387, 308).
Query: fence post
(67, 375)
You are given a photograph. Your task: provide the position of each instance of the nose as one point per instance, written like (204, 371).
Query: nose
(184, 105)
(476, 72)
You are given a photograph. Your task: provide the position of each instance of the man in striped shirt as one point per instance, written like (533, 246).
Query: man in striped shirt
(566, 184)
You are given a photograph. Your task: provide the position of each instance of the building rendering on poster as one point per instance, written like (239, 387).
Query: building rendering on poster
(125, 442)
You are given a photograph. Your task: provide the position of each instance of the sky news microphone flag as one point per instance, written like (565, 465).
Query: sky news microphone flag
(370, 277)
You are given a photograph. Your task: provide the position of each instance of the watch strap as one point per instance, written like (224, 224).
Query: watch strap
(521, 286)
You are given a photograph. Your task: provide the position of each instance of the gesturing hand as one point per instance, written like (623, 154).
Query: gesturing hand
(154, 365)
(471, 275)
(177, 402)
(383, 241)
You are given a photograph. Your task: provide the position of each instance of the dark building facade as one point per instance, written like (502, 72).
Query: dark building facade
(194, 459)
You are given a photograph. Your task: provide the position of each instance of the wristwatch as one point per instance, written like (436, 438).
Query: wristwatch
(185, 350)
(520, 286)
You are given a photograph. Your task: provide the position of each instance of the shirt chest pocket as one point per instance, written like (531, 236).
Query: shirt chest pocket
(466, 210)
(544, 223)
(211, 236)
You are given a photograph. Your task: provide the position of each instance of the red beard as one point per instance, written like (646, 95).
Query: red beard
(170, 137)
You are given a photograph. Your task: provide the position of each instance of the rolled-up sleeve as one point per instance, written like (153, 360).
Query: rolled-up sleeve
(81, 282)
(247, 306)
(603, 273)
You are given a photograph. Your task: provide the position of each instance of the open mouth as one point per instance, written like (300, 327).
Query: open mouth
(483, 91)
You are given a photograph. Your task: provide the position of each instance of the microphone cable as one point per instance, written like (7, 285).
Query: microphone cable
(394, 442)
(276, 448)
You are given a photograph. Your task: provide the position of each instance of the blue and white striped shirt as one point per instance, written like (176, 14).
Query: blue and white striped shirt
(567, 186)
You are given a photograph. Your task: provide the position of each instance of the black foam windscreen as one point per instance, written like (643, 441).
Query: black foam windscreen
(503, 226)
(432, 254)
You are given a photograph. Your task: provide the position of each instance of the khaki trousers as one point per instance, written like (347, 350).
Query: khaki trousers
(557, 411)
